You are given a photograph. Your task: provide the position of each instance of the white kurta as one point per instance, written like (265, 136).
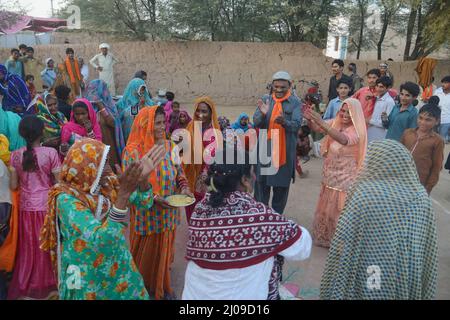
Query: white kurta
(107, 74)
(250, 283)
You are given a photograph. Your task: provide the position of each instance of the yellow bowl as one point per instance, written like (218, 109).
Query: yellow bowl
(180, 200)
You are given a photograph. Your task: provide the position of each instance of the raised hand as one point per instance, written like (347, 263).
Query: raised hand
(88, 125)
(151, 159)
(263, 107)
(129, 179)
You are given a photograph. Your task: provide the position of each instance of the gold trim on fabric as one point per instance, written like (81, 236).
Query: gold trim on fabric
(336, 189)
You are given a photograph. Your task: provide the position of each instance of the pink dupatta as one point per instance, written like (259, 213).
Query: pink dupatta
(72, 127)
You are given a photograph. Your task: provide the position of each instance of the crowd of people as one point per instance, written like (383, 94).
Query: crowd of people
(85, 176)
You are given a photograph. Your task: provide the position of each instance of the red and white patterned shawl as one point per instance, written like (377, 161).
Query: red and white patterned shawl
(240, 233)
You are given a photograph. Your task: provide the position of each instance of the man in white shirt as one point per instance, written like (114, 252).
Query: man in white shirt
(384, 103)
(444, 102)
(103, 63)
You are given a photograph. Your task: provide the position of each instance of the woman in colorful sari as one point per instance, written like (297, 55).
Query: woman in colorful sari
(233, 239)
(16, 96)
(97, 93)
(153, 230)
(135, 97)
(85, 224)
(343, 149)
(83, 123)
(9, 126)
(385, 246)
(48, 75)
(53, 121)
(208, 131)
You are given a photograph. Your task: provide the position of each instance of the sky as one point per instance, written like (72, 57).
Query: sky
(40, 8)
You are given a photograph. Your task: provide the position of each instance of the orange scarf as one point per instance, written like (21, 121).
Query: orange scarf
(427, 92)
(278, 154)
(70, 71)
(141, 139)
(192, 170)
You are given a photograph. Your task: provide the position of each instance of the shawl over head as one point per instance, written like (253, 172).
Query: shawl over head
(240, 233)
(359, 122)
(97, 90)
(237, 125)
(130, 96)
(80, 177)
(387, 227)
(9, 126)
(142, 139)
(192, 170)
(15, 92)
(73, 127)
(52, 123)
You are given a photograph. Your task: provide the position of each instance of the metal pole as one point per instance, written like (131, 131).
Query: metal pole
(53, 12)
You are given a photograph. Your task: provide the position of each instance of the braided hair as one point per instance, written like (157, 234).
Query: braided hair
(31, 129)
(224, 178)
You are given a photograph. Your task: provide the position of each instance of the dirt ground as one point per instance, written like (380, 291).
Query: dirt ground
(301, 205)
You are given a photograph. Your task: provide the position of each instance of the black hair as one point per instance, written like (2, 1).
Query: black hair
(225, 178)
(79, 104)
(445, 79)
(390, 59)
(170, 95)
(69, 50)
(306, 130)
(30, 49)
(385, 81)
(28, 77)
(352, 64)
(411, 87)
(23, 46)
(434, 100)
(339, 62)
(176, 102)
(140, 74)
(348, 82)
(159, 110)
(375, 72)
(31, 128)
(50, 96)
(62, 92)
(15, 50)
(432, 109)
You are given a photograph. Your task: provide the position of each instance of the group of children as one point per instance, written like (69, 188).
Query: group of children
(392, 115)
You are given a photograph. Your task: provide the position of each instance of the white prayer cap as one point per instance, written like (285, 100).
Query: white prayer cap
(161, 92)
(104, 45)
(282, 75)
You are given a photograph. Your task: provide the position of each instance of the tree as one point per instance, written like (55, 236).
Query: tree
(10, 11)
(140, 19)
(388, 9)
(430, 17)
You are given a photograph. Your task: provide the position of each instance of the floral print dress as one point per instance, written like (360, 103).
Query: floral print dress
(93, 250)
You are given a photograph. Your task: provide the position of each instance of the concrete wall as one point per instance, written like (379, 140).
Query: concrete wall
(231, 73)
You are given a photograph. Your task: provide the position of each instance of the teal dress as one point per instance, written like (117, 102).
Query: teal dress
(131, 98)
(96, 263)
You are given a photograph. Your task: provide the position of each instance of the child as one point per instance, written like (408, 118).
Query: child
(83, 123)
(173, 117)
(403, 115)
(303, 149)
(426, 146)
(343, 88)
(33, 170)
(384, 103)
(29, 80)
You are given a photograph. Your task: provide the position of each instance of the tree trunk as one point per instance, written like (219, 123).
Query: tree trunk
(409, 32)
(361, 31)
(386, 18)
